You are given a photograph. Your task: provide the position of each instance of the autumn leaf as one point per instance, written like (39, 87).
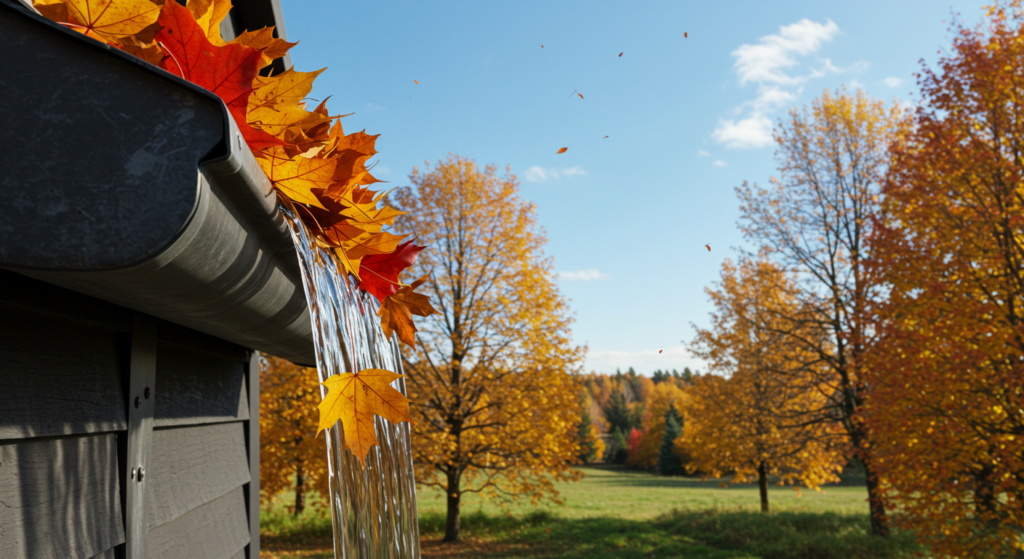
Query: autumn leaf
(685, 35)
(542, 45)
(581, 95)
(354, 398)
(227, 71)
(298, 177)
(416, 82)
(380, 272)
(263, 40)
(208, 15)
(708, 247)
(562, 150)
(620, 55)
(112, 19)
(287, 88)
(604, 137)
(396, 312)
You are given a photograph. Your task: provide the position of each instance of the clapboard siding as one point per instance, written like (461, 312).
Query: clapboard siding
(240, 554)
(195, 387)
(60, 496)
(60, 304)
(58, 378)
(192, 466)
(216, 530)
(108, 554)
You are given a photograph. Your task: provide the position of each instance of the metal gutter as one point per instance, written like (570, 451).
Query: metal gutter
(126, 183)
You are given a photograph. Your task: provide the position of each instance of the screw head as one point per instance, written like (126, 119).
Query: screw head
(133, 473)
(146, 392)
(138, 402)
(142, 472)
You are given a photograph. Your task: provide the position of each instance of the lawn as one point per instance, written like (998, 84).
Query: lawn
(620, 513)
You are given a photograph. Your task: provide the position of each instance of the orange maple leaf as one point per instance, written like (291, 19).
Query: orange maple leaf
(709, 247)
(112, 19)
(396, 312)
(562, 150)
(685, 34)
(299, 176)
(417, 82)
(354, 398)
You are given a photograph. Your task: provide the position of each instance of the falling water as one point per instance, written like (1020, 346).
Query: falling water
(373, 509)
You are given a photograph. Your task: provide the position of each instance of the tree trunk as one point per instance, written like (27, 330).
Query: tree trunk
(300, 490)
(879, 518)
(451, 529)
(762, 484)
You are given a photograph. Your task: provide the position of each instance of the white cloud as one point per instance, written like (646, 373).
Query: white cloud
(643, 362)
(719, 163)
(893, 82)
(540, 174)
(703, 153)
(765, 62)
(856, 84)
(754, 131)
(374, 108)
(583, 275)
(775, 65)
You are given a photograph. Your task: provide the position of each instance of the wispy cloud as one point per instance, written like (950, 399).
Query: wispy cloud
(540, 174)
(583, 275)
(774, 65)
(373, 108)
(893, 82)
(644, 362)
(703, 153)
(719, 163)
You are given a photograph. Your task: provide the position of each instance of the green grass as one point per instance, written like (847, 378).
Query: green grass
(619, 513)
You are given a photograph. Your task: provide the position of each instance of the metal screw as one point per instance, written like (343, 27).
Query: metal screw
(133, 473)
(146, 392)
(138, 402)
(142, 472)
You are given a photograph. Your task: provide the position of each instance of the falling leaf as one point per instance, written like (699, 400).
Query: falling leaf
(620, 55)
(354, 398)
(562, 150)
(685, 34)
(396, 312)
(709, 247)
(380, 272)
(417, 82)
(660, 350)
(542, 45)
(581, 95)
(604, 137)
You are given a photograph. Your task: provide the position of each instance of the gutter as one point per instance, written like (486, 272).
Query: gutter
(129, 184)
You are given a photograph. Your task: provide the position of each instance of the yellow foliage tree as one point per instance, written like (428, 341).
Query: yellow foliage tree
(660, 398)
(290, 452)
(815, 220)
(493, 374)
(765, 418)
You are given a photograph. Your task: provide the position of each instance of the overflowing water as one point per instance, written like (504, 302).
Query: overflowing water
(373, 508)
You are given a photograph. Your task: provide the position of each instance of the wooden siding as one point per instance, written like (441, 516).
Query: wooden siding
(216, 530)
(60, 496)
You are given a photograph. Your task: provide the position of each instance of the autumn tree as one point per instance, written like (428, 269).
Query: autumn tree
(947, 406)
(670, 462)
(663, 397)
(813, 220)
(291, 456)
(492, 375)
(768, 417)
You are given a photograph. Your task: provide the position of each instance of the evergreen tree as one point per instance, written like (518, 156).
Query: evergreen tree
(585, 434)
(669, 463)
(616, 412)
(621, 446)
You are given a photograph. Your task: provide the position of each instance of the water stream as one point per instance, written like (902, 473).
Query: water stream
(373, 509)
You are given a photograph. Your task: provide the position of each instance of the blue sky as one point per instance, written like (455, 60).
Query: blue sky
(687, 120)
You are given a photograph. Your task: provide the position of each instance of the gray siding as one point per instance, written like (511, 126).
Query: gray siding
(61, 497)
(216, 530)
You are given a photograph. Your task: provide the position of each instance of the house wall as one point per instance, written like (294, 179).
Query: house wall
(67, 428)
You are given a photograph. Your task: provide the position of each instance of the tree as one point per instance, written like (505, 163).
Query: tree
(589, 439)
(670, 463)
(493, 374)
(813, 221)
(621, 446)
(949, 363)
(768, 417)
(663, 398)
(289, 448)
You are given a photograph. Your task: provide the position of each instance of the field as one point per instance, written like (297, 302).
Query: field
(619, 513)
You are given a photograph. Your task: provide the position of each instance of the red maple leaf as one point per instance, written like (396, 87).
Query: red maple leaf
(227, 71)
(379, 272)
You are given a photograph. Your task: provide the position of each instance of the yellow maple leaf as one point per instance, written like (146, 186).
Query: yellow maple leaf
(112, 19)
(209, 14)
(288, 88)
(396, 312)
(263, 40)
(354, 398)
(297, 177)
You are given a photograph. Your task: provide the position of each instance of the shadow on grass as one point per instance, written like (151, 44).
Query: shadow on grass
(700, 535)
